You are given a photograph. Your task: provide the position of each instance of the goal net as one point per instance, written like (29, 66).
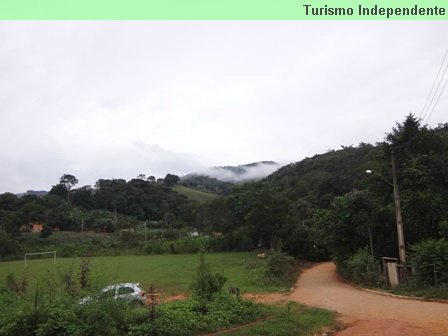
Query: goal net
(28, 255)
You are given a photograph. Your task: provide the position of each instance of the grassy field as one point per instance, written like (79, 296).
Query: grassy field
(172, 274)
(194, 194)
(169, 274)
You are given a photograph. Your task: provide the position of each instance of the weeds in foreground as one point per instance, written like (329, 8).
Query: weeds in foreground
(290, 319)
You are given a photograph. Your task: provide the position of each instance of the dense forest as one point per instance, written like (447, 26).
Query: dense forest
(322, 207)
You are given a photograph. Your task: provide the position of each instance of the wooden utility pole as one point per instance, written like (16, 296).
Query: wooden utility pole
(401, 246)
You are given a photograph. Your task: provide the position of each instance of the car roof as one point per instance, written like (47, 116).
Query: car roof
(123, 284)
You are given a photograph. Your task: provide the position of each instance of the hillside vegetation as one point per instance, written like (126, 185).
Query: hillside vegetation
(319, 208)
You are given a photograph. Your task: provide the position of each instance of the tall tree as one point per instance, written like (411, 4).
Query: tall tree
(345, 226)
(170, 180)
(421, 154)
(68, 181)
(262, 210)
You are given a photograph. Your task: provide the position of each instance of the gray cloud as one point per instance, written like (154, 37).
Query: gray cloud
(115, 99)
(247, 173)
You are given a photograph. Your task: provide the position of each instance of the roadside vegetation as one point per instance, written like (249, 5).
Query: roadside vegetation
(288, 319)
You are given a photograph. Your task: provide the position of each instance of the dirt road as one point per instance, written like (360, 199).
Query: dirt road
(366, 313)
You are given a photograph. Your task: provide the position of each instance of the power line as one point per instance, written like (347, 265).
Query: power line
(432, 94)
(432, 88)
(435, 104)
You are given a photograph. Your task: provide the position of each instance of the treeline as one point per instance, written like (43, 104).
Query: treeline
(319, 208)
(111, 203)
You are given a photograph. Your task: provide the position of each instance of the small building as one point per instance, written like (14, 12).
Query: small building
(32, 227)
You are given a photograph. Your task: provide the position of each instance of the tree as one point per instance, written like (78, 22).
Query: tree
(82, 197)
(8, 222)
(170, 180)
(420, 154)
(8, 202)
(8, 245)
(68, 181)
(60, 217)
(262, 209)
(214, 215)
(298, 236)
(31, 211)
(345, 226)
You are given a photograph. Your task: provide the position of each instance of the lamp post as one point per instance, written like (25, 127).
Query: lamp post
(394, 184)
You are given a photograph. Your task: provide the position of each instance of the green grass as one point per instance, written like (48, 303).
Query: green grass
(289, 319)
(194, 194)
(431, 292)
(169, 274)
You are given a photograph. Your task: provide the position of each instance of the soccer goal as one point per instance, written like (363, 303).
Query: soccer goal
(41, 253)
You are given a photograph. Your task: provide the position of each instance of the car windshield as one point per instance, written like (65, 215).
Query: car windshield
(125, 290)
(108, 293)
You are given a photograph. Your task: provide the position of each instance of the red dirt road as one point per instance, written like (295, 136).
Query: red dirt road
(365, 313)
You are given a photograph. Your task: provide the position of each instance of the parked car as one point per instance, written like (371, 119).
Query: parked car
(128, 292)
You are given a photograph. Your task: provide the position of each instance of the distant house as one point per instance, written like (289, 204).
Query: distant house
(32, 227)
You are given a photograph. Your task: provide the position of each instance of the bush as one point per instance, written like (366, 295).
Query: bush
(430, 259)
(280, 269)
(362, 268)
(206, 284)
(225, 310)
(183, 319)
(18, 287)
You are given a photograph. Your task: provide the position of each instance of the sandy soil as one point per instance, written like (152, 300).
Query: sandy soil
(364, 313)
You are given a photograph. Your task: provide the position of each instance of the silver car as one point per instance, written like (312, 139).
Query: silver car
(129, 292)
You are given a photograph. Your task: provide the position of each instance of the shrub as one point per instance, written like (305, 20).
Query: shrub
(84, 273)
(225, 310)
(362, 268)
(108, 317)
(280, 269)
(430, 259)
(18, 287)
(183, 319)
(206, 284)
(58, 321)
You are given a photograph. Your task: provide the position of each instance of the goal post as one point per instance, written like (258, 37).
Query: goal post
(39, 253)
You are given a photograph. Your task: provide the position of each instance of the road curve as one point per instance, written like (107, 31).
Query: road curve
(367, 313)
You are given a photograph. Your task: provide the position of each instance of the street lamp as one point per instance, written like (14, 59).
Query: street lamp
(394, 184)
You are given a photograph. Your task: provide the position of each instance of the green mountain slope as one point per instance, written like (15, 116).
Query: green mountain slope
(322, 177)
(194, 194)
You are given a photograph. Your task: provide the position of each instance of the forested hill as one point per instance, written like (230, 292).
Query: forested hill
(221, 180)
(322, 177)
(329, 202)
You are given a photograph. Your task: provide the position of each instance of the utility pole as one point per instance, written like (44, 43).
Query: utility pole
(401, 246)
(371, 242)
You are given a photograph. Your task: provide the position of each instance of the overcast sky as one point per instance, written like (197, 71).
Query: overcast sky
(116, 99)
